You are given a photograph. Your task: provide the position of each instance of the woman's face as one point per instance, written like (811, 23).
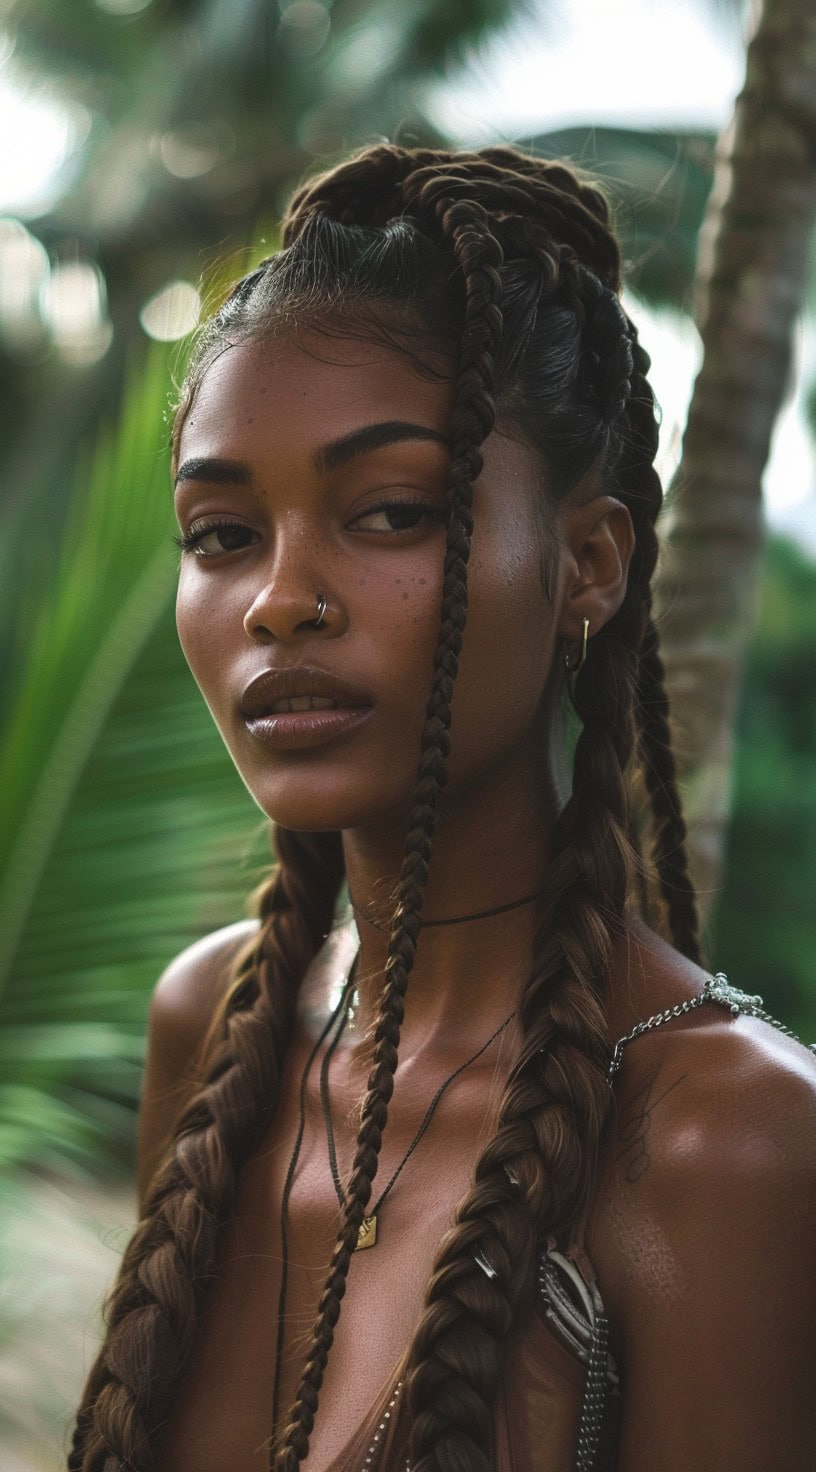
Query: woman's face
(328, 460)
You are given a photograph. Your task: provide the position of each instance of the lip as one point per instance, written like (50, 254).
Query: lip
(299, 729)
(293, 681)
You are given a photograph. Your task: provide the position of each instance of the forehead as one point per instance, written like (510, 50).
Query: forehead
(307, 390)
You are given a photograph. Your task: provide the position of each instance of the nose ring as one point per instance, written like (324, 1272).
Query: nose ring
(322, 605)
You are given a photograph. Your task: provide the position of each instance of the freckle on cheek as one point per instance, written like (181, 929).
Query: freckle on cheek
(405, 597)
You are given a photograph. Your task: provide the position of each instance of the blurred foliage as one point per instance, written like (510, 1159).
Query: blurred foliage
(764, 923)
(127, 831)
(658, 183)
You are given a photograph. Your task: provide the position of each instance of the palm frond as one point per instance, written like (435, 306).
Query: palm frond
(127, 832)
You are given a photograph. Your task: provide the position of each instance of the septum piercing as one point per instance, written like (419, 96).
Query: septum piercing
(322, 605)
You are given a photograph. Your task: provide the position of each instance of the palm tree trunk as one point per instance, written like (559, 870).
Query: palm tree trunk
(752, 269)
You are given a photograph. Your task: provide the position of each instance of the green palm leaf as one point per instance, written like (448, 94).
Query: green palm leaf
(127, 832)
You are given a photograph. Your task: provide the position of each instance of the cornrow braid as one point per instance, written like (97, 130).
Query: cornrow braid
(152, 1310)
(383, 181)
(569, 221)
(479, 258)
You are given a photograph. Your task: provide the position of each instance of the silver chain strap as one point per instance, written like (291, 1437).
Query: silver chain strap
(717, 989)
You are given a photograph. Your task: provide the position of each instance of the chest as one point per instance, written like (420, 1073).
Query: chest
(271, 1273)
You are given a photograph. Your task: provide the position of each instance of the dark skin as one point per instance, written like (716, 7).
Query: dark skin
(702, 1229)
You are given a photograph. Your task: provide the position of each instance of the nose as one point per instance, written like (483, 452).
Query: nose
(294, 601)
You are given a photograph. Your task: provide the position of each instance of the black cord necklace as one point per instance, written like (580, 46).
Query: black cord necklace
(367, 1234)
(287, 1188)
(456, 919)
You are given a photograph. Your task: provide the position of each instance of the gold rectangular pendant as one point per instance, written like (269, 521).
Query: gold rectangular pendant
(367, 1235)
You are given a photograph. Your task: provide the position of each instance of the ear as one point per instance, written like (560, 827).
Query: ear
(598, 540)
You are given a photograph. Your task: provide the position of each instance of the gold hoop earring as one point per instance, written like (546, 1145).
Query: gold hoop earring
(574, 668)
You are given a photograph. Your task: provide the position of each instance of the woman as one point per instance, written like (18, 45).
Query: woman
(431, 402)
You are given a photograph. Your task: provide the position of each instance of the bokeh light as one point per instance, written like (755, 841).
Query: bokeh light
(172, 312)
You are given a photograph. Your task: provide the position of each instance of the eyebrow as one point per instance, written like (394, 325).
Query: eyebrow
(328, 457)
(374, 437)
(217, 472)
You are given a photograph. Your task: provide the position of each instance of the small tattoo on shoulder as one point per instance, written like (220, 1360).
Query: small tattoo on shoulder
(633, 1128)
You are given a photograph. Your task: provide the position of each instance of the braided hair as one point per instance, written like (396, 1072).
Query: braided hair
(509, 264)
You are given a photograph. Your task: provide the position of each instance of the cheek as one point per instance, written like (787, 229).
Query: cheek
(507, 654)
(394, 619)
(202, 624)
(192, 625)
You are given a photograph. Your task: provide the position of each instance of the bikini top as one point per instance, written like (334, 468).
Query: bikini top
(560, 1399)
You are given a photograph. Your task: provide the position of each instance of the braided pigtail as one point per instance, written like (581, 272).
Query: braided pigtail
(153, 1308)
(642, 488)
(535, 1177)
(478, 256)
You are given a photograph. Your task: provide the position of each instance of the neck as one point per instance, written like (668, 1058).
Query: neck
(491, 849)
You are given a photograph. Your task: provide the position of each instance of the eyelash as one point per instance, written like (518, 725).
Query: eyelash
(190, 540)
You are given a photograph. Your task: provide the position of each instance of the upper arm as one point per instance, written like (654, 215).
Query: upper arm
(717, 1305)
(182, 1006)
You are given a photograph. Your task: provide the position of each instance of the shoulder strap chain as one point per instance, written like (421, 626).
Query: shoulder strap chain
(597, 1385)
(717, 989)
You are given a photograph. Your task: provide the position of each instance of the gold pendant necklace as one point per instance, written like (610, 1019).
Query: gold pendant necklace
(367, 1233)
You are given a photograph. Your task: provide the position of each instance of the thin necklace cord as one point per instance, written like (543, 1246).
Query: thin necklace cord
(324, 1096)
(456, 919)
(339, 1010)
(341, 1015)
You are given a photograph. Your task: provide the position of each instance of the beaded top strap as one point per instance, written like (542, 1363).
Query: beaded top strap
(717, 989)
(576, 1315)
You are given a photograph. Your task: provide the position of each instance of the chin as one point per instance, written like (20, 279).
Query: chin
(317, 802)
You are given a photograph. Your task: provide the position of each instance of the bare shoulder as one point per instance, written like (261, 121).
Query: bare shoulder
(707, 1094)
(721, 1077)
(183, 1004)
(194, 982)
(703, 1235)
(712, 1096)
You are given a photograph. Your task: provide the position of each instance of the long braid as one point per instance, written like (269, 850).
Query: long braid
(535, 1177)
(652, 708)
(479, 257)
(152, 1310)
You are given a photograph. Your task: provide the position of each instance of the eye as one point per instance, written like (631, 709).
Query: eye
(226, 531)
(393, 517)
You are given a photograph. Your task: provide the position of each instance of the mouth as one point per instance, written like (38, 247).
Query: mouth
(301, 707)
(300, 703)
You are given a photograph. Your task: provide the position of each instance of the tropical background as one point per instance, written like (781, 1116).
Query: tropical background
(146, 148)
